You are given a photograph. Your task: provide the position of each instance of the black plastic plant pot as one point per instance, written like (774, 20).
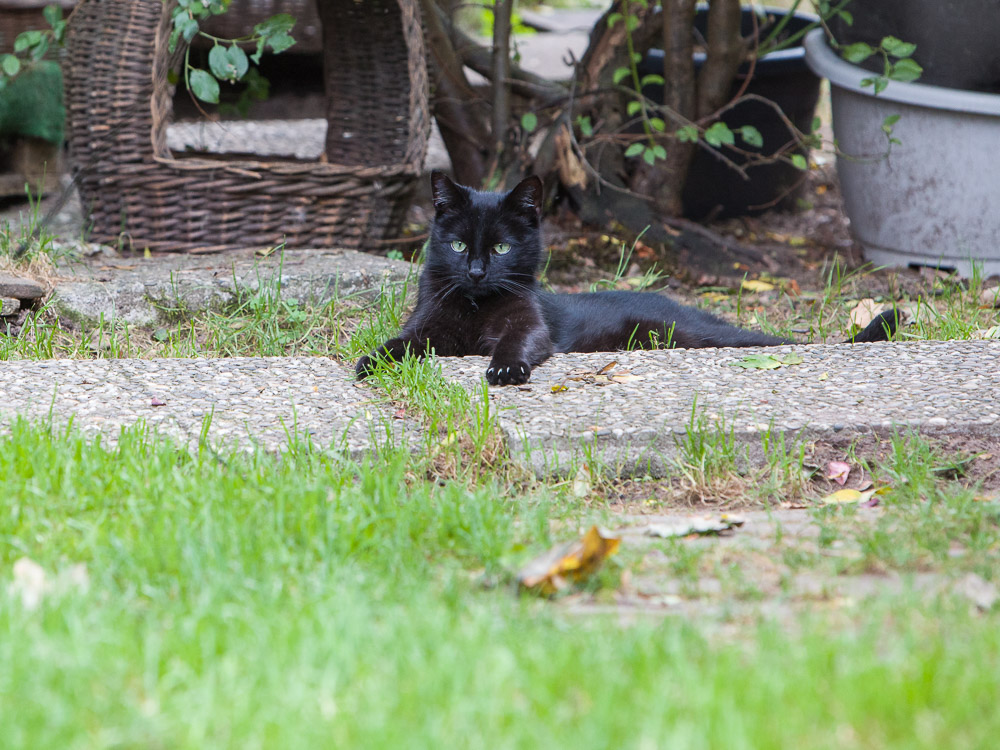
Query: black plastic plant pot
(713, 188)
(957, 40)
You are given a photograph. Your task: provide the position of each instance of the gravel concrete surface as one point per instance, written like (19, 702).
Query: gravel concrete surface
(250, 402)
(569, 411)
(143, 291)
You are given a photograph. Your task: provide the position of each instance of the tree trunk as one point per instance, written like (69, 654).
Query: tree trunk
(726, 50)
(664, 181)
(456, 106)
(501, 72)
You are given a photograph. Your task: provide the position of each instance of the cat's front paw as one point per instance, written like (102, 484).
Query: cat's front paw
(508, 374)
(365, 367)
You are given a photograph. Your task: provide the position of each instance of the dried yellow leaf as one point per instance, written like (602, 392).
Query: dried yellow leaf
(573, 561)
(756, 285)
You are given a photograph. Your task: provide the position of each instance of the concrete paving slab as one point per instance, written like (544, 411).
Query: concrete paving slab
(251, 402)
(18, 287)
(567, 412)
(144, 291)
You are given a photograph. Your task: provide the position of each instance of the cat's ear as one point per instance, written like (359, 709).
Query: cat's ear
(526, 198)
(447, 195)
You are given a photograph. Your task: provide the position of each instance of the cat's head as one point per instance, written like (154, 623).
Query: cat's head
(486, 243)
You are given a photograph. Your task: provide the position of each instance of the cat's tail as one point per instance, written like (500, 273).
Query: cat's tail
(880, 329)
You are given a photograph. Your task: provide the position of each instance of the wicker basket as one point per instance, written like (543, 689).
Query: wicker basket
(137, 192)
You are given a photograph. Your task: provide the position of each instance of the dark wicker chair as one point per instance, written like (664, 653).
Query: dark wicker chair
(137, 192)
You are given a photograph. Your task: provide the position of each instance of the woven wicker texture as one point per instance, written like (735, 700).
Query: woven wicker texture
(136, 191)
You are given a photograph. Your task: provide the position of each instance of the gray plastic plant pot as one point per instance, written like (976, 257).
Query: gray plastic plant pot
(935, 199)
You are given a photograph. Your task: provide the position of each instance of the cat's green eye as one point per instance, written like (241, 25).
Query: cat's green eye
(458, 246)
(501, 248)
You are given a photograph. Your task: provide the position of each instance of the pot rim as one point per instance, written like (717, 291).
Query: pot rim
(825, 62)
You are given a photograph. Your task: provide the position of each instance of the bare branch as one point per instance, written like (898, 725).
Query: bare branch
(501, 71)
(726, 50)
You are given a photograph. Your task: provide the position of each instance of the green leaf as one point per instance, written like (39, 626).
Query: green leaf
(175, 35)
(757, 362)
(619, 74)
(633, 107)
(238, 59)
(687, 134)
(651, 79)
(585, 127)
(880, 83)
(52, 15)
(661, 153)
(280, 42)
(792, 358)
(799, 161)
(634, 150)
(204, 86)
(189, 27)
(59, 31)
(636, 57)
(40, 49)
(857, 52)
(751, 136)
(281, 23)
(10, 65)
(897, 48)
(632, 23)
(768, 361)
(218, 62)
(888, 123)
(657, 124)
(720, 134)
(613, 19)
(816, 124)
(906, 70)
(26, 40)
(846, 17)
(649, 156)
(529, 121)
(161, 334)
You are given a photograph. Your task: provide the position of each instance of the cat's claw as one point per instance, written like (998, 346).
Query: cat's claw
(511, 375)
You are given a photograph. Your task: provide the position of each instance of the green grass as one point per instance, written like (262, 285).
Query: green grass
(300, 602)
(933, 519)
(257, 601)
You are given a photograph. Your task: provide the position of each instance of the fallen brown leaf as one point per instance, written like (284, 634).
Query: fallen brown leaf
(990, 297)
(838, 471)
(572, 561)
(700, 526)
(865, 312)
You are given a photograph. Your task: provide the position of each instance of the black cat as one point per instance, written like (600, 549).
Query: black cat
(479, 295)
